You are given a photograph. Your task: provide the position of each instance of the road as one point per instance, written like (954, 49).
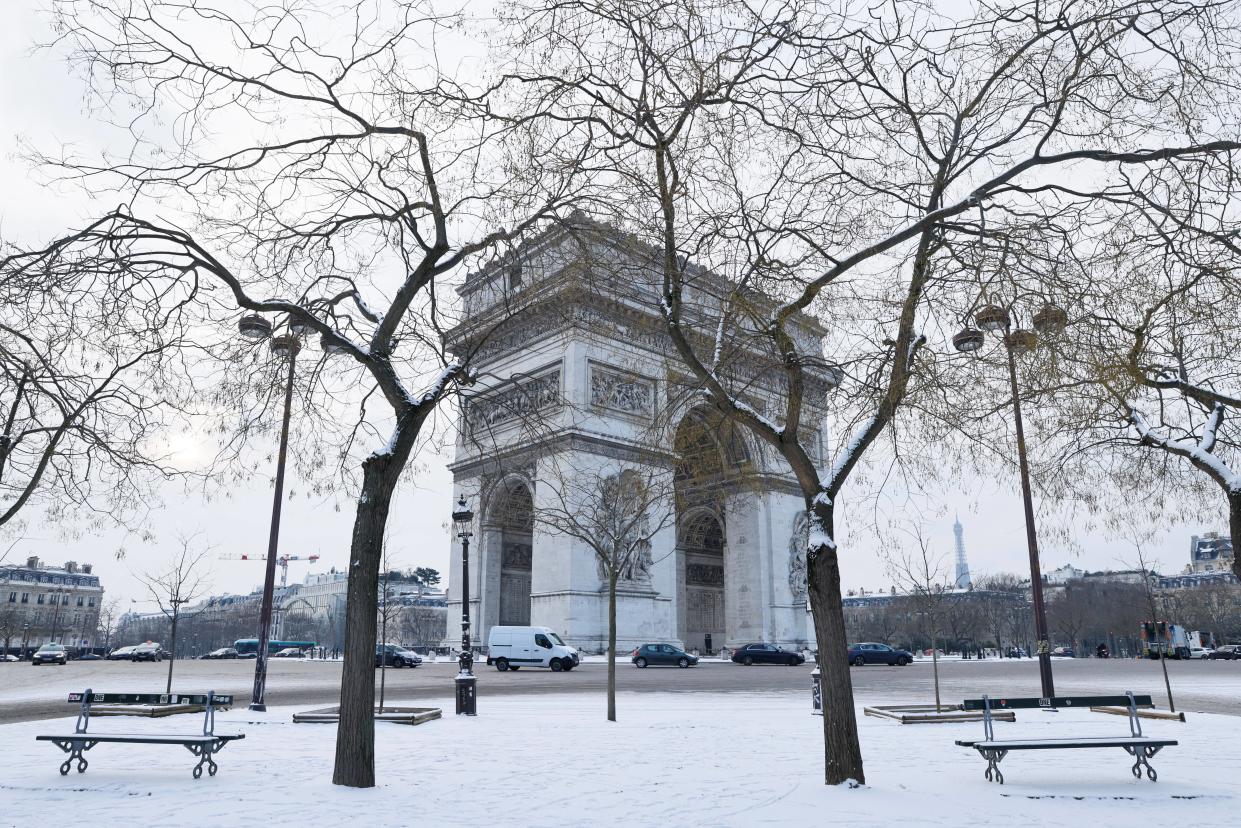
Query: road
(28, 693)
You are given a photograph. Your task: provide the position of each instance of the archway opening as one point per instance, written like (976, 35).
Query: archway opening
(513, 512)
(710, 456)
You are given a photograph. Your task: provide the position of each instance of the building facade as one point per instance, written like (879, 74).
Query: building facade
(1211, 552)
(41, 604)
(578, 383)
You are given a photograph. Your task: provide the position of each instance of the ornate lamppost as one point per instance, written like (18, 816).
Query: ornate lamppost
(1048, 321)
(467, 683)
(285, 344)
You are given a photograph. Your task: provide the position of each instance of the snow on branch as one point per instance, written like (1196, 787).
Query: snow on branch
(1197, 452)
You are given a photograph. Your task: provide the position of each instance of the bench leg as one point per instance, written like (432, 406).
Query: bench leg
(75, 748)
(203, 752)
(994, 757)
(1142, 755)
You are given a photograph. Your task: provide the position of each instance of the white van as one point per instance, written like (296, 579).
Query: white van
(510, 648)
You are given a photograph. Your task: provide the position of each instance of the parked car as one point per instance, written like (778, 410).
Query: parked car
(396, 656)
(150, 651)
(1064, 652)
(89, 657)
(1200, 652)
(662, 654)
(1226, 652)
(289, 652)
(873, 653)
(766, 654)
(8, 657)
(223, 652)
(122, 654)
(516, 647)
(50, 654)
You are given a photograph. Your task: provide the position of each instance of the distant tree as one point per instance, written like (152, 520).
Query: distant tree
(923, 576)
(180, 583)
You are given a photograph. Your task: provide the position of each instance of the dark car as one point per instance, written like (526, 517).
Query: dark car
(150, 651)
(396, 656)
(223, 652)
(89, 657)
(1064, 652)
(766, 654)
(662, 654)
(50, 654)
(1226, 652)
(872, 653)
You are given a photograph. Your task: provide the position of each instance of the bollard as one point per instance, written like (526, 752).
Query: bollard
(816, 693)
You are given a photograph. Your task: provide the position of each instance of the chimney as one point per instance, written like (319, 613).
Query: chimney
(86, 568)
(32, 562)
(71, 566)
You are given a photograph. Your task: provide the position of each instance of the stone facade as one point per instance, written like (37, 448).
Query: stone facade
(579, 382)
(41, 604)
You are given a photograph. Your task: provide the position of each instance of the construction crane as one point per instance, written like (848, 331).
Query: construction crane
(282, 562)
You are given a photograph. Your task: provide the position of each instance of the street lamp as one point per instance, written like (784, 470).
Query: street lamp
(285, 344)
(25, 638)
(1048, 321)
(466, 681)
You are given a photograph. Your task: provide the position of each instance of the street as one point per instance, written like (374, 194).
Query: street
(28, 693)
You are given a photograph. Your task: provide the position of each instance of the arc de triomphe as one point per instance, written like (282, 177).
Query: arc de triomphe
(575, 376)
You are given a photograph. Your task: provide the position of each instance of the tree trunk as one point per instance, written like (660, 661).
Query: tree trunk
(841, 751)
(935, 666)
(355, 734)
(612, 647)
(1234, 530)
(172, 654)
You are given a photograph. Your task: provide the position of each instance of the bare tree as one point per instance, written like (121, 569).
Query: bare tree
(329, 175)
(109, 621)
(1139, 552)
(616, 513)
(182, 582)
(923, 576)
(784, 159)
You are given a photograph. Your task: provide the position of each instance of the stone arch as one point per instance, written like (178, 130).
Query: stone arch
(509, 522)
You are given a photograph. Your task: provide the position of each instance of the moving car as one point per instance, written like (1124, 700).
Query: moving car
(396, 656)
(873, 653)
(1064, 652)
(89, 657)
(150, 651)
(766, 654)
(516, 647)
(223, 652)
(1226, 652)
(50, 654)
(1200, 652)
(122, 654)
(662, 654)
(289, 652)
(8, 657)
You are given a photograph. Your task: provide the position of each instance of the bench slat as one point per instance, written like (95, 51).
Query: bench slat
(152, 698)
(142, 738)
(1061, 744)
(1055, 701)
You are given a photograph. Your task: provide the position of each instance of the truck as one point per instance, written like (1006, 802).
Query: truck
(1161, 639)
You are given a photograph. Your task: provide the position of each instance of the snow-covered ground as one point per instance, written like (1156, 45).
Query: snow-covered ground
(674, 759)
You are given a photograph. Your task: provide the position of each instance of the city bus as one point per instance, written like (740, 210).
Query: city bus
(247, 647)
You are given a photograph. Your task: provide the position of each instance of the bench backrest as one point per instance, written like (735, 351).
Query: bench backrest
(91, 697)
(1000, 703)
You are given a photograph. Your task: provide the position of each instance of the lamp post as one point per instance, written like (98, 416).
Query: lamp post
(285, 344)
(467, 683)
(1017, 341)
(25, 638)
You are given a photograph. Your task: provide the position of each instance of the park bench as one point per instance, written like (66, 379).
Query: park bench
(203, 745)
(1141, 748)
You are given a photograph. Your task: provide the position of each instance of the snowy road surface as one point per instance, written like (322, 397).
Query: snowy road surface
(1206, 686)
(674, 759)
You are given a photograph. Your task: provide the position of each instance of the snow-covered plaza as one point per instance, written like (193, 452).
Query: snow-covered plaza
(674, 759)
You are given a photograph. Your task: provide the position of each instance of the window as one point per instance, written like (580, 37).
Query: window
(542, 641)
(80, 600)
(91, 601)
(12, 597)
(42, 597)
(25, 597)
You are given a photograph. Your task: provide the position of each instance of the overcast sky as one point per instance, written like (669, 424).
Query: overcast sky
(41, 103)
